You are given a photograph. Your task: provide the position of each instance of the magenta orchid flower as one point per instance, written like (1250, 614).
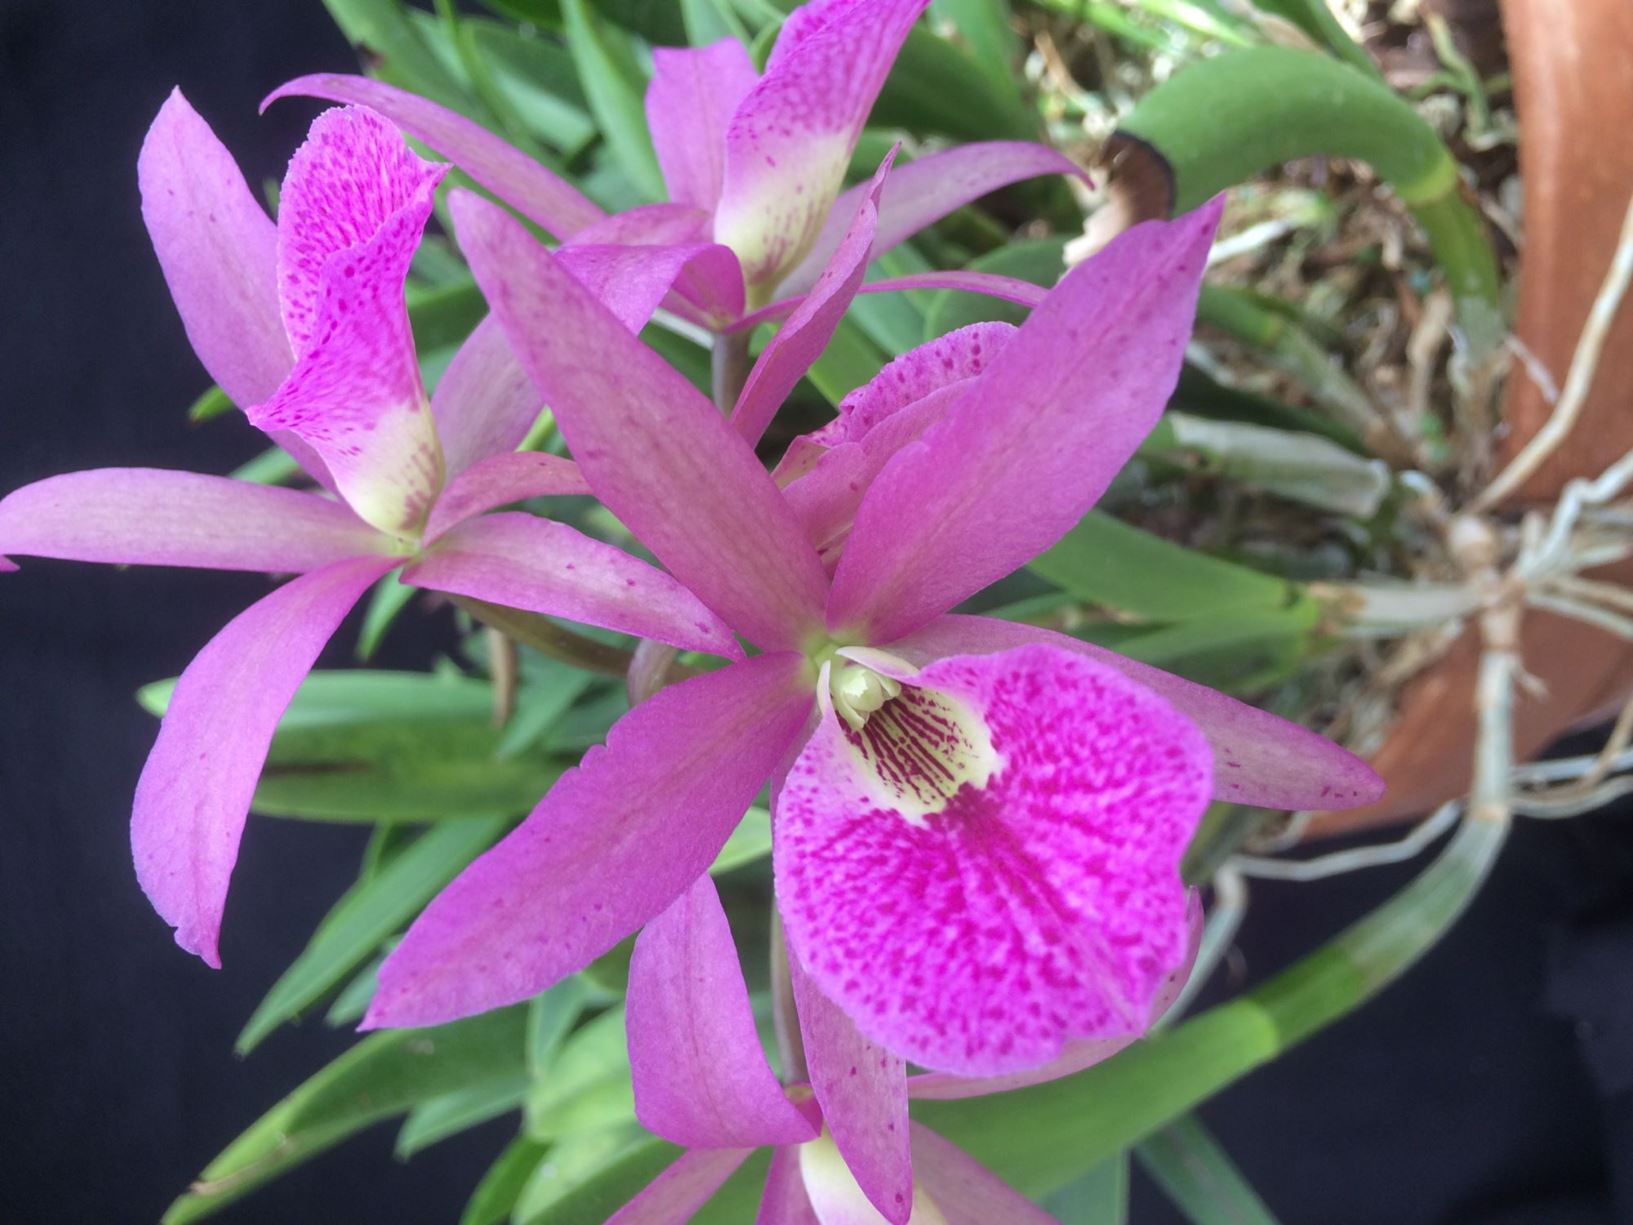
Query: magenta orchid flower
(977, 825)
(304, 323)
(752, 162)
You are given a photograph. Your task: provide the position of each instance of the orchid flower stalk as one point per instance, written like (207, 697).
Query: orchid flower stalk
(753, 162)
(304, 323)
(977, 825)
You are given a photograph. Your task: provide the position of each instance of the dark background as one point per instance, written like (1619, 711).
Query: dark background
(1494, 1085)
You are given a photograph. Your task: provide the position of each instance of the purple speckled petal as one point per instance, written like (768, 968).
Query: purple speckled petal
(655, 451)
(523, 561)
(964, 1190)
(195, 789)
(500, 480)
(613, 843)
(693, 95)
(1034, 442)
(785, 1201)
(701, 1076)
(354, 203)
(826, 474)
(484, 403)
(504, 170)
(862, 1090)
(1258, 758)
(792, 137)
(153, 517)
(801, 340)
(925, 190)
(1076, 1055)
(675, 1195)
(989, 869)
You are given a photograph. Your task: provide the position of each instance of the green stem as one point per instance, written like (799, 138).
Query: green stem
(728, 368)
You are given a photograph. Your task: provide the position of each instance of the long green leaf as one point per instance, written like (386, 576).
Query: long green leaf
(366, 914)
(1188, 1164)
(452, 1113)
(383, 1075)
(1221, 120)
(983, 28)
(335, 699)
(385, 37)
(496, 1194)
(615, 87)
(1316, 19)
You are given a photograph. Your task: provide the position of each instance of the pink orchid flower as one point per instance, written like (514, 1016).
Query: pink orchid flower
(977, 824)
(304, 323)
(701, 1080)
(752, 162)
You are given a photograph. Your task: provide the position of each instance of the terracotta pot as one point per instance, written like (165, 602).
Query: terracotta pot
(1572, 63)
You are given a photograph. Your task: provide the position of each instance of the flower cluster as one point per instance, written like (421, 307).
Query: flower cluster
(977, 824)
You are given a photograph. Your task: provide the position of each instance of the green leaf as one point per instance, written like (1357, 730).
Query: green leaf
(749, 842)
(930, 71)
(1090, 1116)
(389, 597)
(588, 1177)
(1316, 19)
(1222, 120)
(615, 87)
(496, 1194)
(212, 403)
(984, 31)
(353, 1000)
(443, 316)
(588, 1083)
(383, 1075)
(333, 699)
(1188, 1164)
(1239, 654)
(551, 1016)
(1099, 1197)
(459, 1111)
(1105, 561)
(366, 914)
(709, 21)
(274, 466)
(387, 41)
(1038, 260)
(540, 85)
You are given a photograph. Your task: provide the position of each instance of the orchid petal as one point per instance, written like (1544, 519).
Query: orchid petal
(1259, 758)
(801, 340)
(656, 452)
(614, 842)
(195, 789)
(862, 1089)
(484, 404)
(791, 139)
(501, 480)
(154, 517)
(785, 1201)
(989, 868)
(648, 225)
(987, 284)
(925, 190)
(828, 472)
(503, 169)
(1032, 445)
(674, 1196)
(354, 203)
(965, 1191)
(701, 1076)
(1075, 1056)
(693, 95)
(632, 281)
(523, 561)
(218, 250)
(708, 291)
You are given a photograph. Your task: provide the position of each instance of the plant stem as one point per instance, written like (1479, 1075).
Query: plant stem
(728, 368)
(548, 638)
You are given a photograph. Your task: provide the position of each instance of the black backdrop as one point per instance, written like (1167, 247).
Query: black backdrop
(1495, 1085)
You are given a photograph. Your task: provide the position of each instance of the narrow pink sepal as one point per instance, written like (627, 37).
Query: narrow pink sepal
(539, 565)
(1259, 758)
(504, 170)
(1075, 1056)
(613, 843)
(692, 97)
(195, 789)
(826, 474)
(218, 249)
(987, 284)
(708, 282)
(925, 190)
(631, 281)
(484, 403)
(862, 1089)
(354, 204)
(155, 517)
(499, 481)
(647, 225)
(784, 1201)
(1034, 442)
(965, 1191)
(701, 1077)
(653, 449)
(791, 138)
(673, 1197)
(801, 340)
(1040, 904)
